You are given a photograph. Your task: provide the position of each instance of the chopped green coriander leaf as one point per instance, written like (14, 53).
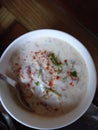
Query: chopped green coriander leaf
(53, 91)
(74, 74)
(37, 83)
(55, 62)
(54, 59)
(39, 72)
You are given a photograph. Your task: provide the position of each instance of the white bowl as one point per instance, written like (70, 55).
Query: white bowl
(29, 119)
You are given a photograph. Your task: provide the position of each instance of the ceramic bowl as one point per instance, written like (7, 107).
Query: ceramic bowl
(32, 120)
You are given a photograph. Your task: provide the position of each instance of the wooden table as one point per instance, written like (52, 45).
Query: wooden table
(20, 16)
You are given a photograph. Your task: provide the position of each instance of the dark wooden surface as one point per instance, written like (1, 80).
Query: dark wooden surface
(85, 11)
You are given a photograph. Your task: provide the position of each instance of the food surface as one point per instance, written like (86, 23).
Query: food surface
(52, 74)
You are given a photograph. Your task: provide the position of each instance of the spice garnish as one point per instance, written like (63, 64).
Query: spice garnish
(55, 62)
(53, 91)
(74, 74)
(40, 73)
(66, 62)
(37, 83)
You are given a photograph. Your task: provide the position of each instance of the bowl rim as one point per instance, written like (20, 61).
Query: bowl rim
(78, 45)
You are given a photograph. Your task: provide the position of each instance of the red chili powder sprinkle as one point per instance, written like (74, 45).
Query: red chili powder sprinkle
(50, 72)
(18, 70)
(34, 57)
(57, 77)
(36, 52)
(29, 70)
(60, 62)
(50, 83)
(71, 83)
(47, 67)
(65, 60)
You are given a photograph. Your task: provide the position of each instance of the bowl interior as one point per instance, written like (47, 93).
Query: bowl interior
(11, 104)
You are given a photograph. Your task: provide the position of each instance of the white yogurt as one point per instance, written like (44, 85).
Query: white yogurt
(53, 75)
